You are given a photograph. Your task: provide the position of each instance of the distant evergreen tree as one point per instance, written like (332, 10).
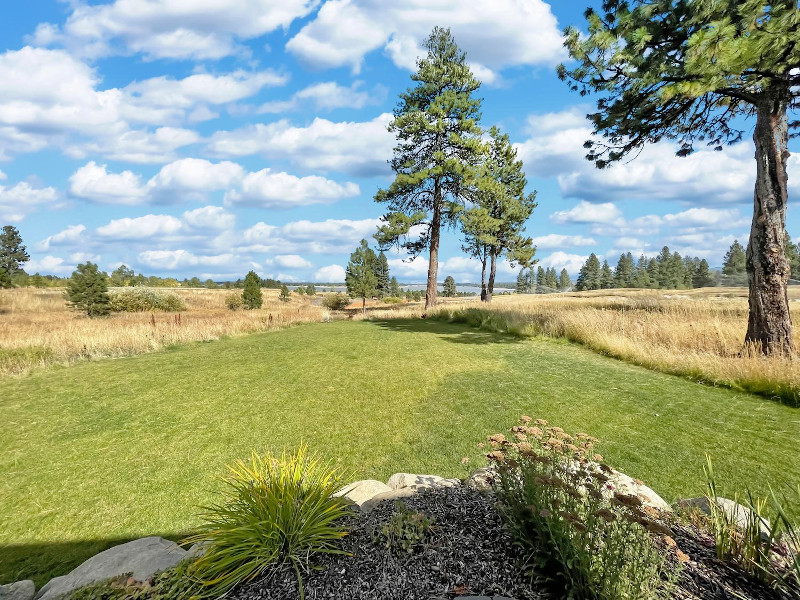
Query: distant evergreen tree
(301, 291)
(88, 290)
(550, 278)
(311, 290)
(210, 284)
(382, 275)
(449, 290)
(360, 274)
(285, 294)
(641, 278)
(589, 275)
(522, 281)
(735, 261)
(564, 282)
(606, 276)
(702, 275)
(394, 288)
(540, 277)
(793, 254)
(624, 272)
(653, 272)
(251, 294)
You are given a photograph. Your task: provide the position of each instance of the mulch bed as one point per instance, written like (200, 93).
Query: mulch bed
(468, 553)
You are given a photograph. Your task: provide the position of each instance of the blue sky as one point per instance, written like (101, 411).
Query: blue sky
(210, 137)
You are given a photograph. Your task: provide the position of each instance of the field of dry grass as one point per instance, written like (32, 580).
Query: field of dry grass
(693, 333)
(38, 329)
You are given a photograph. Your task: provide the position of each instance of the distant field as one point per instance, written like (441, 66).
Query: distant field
(108, 450)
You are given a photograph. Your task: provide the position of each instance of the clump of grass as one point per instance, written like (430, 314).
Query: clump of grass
(142, 299)
(581, 535)
(275, 511)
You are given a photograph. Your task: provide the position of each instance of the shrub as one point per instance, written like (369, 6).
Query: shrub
(392, 300)
(336, 301)
(559, 504)
(87, 290)
(234, 301)
(251, 295)
(141, 299)
(275, 511)
(405, 530)
(285, 294)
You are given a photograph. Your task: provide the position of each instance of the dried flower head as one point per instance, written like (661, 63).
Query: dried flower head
(525, 419)
(465, 460)
(541, 422)
(607, 515)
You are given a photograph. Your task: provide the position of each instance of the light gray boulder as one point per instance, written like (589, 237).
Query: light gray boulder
(419, 482)
(21, 590)
(482, 479)
(734, 511)
(627, 485)
(361, 491)
(405, 492)
(141, 558)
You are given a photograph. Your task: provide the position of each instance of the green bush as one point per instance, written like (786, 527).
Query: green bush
(234, 301)
(251, 294)
(87, 290)
(274, 511)
(336, 301)
(142, 299)
(406, 530)
(392, 300)
(559, 505)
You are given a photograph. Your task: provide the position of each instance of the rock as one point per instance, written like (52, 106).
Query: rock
(627, 485)
(481, 480)
(390, 495)
(361, 491)
(735, 512)
(403, 480)
(141, 558)
(21, 590)
(197, 550)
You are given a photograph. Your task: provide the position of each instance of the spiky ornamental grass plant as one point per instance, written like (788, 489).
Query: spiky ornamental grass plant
(275, 512)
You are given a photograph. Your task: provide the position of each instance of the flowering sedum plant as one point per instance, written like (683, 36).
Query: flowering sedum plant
(559, 502)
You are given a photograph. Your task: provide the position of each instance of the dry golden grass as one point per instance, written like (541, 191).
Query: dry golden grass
(694, 333)
(37, 328)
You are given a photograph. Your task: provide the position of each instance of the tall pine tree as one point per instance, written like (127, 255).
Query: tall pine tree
(87, 291)
(691, 71)
(494, 225)
(436, 124)
(251, 294)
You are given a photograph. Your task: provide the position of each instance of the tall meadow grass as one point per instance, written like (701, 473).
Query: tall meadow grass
(37, 328)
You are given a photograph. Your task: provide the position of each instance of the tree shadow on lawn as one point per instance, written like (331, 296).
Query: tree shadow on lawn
(41, 561)
(454, 333)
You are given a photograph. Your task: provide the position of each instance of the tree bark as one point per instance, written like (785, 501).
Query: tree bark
(492, 271)
(483, 276)
(769, 325)
(363, 305)
(433, 260)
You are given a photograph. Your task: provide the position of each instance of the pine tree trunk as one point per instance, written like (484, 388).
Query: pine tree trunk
(492, 270)
(363, 305)
(769, 325)
(433, 260)
(483, 276)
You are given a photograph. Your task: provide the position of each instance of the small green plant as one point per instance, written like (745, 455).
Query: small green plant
(251, 294)
(275, 510)
(560, 505)
(142, 299)
(174, 584)
(789, 577)
(234, 301)
(335, 301)
(87, 291)
(406, 530)
(392, 300)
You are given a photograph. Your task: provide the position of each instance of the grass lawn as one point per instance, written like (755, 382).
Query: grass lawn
(117, 449)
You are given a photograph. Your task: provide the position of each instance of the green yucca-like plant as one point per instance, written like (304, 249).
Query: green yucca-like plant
(276, 511)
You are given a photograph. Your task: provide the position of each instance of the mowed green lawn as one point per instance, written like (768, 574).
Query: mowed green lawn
(117, 449)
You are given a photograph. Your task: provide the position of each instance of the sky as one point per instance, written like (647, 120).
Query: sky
(210, 137)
